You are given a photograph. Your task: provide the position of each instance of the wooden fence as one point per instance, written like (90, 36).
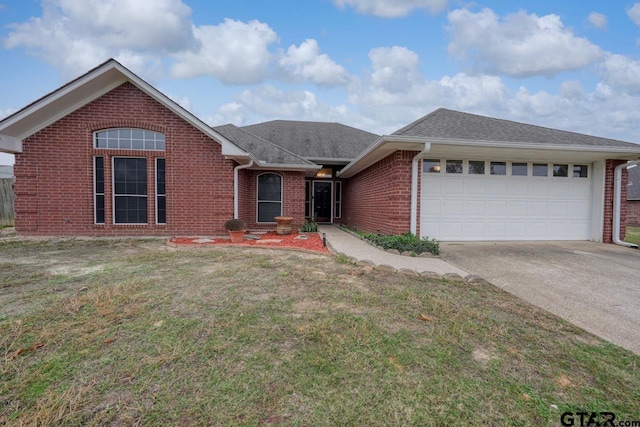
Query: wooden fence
(7, 200)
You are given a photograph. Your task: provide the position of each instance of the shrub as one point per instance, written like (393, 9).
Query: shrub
(234, 225)
(405, 242)
(309, 226)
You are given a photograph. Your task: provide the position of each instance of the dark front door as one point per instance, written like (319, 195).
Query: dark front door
(322, 201)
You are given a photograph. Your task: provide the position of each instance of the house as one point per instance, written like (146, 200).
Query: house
(109, 155)
(633, 197)
(6, 171)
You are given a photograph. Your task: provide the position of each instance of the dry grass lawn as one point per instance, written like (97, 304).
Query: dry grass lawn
(132, 332)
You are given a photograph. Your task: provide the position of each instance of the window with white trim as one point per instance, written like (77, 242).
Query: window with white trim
(161, 192)
(129, 190)
(307, 199)
(129, 139)
(269, 197)
(337, 212)
(98, 190)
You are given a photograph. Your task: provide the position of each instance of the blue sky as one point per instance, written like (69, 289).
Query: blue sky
(372, 64)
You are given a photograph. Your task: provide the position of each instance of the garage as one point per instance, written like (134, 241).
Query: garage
(475, 200)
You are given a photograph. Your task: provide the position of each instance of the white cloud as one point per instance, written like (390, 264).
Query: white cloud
(598, 20)
(307, 63)
(395, 69)
(79, 34)
(621, 73)
(634, 13)
(518, 45)
(234, 51)
(391, 8)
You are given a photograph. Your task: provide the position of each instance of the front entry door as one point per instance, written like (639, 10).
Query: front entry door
(322, 200)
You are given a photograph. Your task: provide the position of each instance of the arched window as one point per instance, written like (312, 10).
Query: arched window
(269, 197)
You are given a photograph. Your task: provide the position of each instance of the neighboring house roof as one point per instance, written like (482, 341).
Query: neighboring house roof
(449, 124)
(315, 140)
(265, 152)
(633, 184)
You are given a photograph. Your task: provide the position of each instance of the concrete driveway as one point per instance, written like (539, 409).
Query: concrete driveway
(592, 285)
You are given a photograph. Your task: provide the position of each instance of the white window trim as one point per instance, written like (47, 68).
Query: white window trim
(113, 192)
(258, 201)
(509, 165)
(337, 189)
(95, 194)
(155, 174)
(95, 139)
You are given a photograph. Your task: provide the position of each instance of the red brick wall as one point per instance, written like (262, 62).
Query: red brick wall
(54, 174)
(607, 234)
(379, 197)
(633, 213)
(292, 198)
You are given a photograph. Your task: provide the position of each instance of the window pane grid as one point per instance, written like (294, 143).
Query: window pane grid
(99, 190)
(161, 192)
(130, 190)
(338, 204)
(269, 197)
(130, 139)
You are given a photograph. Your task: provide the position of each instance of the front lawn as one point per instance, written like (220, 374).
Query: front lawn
(633, 235)
(128, 332)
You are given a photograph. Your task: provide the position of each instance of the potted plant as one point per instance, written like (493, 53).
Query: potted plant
(236, 230)
(283, 226)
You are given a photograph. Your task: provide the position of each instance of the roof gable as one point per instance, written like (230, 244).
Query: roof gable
(81, 91)
(314, 140)
(455, 125)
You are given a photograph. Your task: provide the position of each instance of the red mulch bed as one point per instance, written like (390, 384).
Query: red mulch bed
(313, 243)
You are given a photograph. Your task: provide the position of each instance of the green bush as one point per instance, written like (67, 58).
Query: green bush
(309, 226)
(405, 242)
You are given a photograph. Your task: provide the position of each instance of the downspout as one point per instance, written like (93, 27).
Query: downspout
(236, 185)
(413, 226)
(617, 193)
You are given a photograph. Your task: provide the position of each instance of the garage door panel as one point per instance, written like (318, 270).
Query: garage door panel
(518, 208)
(496, 187)
(474, 208)
(538, 187)
(474, 187)
(453, 186)
(489, 207)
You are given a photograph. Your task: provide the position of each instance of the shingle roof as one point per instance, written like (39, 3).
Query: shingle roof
(633, 185)
(263, 150)
(455, 125)
(314, 140)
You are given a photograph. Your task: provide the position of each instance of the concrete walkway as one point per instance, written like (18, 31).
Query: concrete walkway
(343, 242)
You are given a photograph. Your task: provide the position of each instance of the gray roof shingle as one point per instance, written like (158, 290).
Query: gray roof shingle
(314, 140)
(449, 124)
(263, 150)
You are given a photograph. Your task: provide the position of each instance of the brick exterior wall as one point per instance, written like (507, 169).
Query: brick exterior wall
(607, 233)
(633, 213)
(54, 174)
(292, 198)
(379, 197)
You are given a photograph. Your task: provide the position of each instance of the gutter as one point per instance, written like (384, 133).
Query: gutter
(617, 187)
(415, 176)
(235, 186)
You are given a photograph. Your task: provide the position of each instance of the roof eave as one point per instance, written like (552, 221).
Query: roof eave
(381, 148)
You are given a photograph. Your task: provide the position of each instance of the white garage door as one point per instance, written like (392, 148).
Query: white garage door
(484, 200)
